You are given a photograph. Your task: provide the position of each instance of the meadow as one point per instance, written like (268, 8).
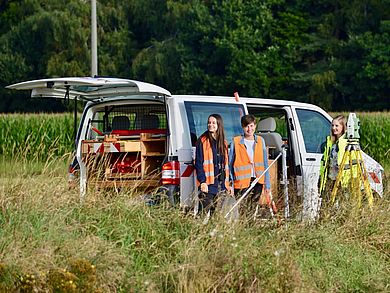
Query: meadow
(113, 242)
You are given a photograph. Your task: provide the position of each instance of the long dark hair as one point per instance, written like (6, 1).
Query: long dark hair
(219, 135)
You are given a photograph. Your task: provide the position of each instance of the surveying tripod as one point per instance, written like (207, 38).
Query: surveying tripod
(353, 160)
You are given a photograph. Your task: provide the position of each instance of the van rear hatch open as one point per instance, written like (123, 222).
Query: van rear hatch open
(124, 143)
(122, 138)
(90, 88)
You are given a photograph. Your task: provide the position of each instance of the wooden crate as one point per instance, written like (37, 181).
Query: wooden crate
(152, 153)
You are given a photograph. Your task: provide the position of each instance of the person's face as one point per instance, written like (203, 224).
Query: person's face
(249, 130)
(212, 125)
(337, 128)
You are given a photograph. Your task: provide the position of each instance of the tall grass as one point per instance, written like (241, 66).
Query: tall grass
(375, 135)
(50, 242)
(36, 136)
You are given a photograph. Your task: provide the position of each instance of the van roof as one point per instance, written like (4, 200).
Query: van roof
(247, 100)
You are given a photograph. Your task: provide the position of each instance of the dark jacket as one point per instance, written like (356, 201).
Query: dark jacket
(218, 161)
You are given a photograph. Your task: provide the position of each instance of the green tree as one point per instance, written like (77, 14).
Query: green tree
(340, 50)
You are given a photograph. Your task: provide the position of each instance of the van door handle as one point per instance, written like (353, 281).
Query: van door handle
(188, 163)
(311, 159)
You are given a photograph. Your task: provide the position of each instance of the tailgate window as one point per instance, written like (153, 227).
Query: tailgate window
(127, 120)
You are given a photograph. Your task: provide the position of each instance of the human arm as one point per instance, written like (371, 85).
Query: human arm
(267, 179)
(324, 164)
(200, 174)
(231, 164)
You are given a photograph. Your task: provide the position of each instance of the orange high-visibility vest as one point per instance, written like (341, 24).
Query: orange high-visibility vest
(242, 166)
(208, 163)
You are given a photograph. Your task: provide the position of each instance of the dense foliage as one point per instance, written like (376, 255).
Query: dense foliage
(335, 54)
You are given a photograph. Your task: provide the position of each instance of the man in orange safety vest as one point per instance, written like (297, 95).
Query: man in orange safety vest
(248, 160)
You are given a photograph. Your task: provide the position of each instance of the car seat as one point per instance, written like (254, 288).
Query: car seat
(266, 129)
(120, 123)
(150, 121)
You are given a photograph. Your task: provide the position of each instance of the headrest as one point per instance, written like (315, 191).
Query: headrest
(120, 122)
(150, 121)
(267, 124)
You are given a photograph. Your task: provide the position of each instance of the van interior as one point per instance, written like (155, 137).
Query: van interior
(273, 127)
(126, 145)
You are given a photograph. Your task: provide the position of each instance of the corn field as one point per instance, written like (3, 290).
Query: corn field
(38, 136)
(375, 135)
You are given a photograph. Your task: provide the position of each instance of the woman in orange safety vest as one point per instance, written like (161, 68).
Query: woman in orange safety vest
(211, 162)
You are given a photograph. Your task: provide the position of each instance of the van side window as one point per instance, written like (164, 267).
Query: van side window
(315, 127)
(198, 112)
(272, 127)
(262, 113)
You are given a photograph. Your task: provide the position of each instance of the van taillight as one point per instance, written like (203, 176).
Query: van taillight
(170, 174)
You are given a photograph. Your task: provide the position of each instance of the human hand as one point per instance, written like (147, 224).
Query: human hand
(204, 188)
(265, 198)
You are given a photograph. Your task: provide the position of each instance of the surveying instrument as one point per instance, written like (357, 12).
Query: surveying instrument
(353, 161)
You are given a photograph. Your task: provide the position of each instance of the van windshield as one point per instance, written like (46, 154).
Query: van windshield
(198, 112)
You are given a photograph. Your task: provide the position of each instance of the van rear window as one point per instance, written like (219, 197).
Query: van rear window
(130, 119)
(198, 112)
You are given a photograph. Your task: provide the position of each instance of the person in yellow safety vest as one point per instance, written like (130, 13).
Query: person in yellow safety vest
(211, 163)
(332, 157)
(248, 159)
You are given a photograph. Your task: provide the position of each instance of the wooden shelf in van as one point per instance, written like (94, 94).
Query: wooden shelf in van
(149, 151)
(152, 153)
(93, 146)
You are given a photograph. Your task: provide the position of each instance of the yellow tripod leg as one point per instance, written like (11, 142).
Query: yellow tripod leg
(364, 176)
(355, 182)
(339, 176)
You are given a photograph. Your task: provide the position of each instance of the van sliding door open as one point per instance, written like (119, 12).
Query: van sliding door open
(276, 127)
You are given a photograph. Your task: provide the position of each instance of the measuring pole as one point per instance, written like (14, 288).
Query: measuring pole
(285, 182)
(251, 186)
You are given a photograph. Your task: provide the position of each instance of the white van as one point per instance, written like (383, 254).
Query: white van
(138, 135)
